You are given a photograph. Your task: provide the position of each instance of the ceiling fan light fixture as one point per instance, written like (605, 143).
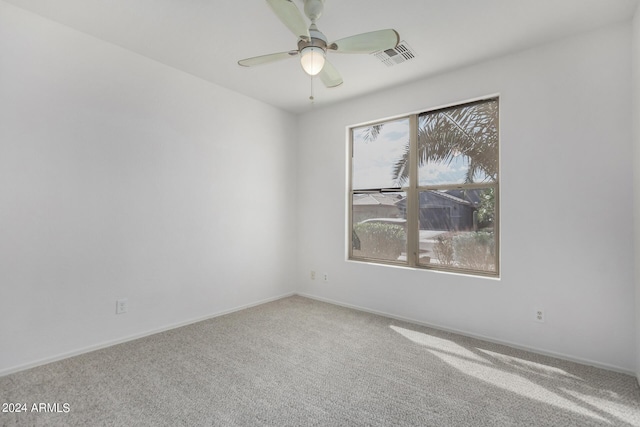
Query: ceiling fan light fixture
(312, 59)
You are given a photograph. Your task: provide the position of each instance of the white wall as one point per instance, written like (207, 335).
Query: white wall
(566, 204)
(636, 182)
(121, 177)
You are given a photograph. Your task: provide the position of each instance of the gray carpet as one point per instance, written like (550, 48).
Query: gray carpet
(299, 362)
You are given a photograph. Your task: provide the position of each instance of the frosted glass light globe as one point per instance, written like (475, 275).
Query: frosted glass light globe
(312, 60)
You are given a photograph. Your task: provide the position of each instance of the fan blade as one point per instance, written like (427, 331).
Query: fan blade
(367, 42)
(329, 75)
(290, 16)
(265, 59)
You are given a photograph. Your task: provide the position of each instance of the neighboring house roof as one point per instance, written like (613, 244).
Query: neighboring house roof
(464, 197)
(472, 196)
(375, 199)
(451, 197)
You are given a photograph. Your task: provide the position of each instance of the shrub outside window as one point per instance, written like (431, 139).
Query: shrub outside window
(424, 190)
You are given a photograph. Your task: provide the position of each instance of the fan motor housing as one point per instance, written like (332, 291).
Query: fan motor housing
(317, 40)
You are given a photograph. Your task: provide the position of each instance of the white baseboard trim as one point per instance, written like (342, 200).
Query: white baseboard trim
(477, 336)
(110, 343)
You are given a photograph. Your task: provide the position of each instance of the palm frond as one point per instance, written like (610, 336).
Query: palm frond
(401, 167)
(470, 130)
(371, 133)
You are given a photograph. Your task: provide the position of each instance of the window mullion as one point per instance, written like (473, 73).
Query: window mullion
(413, 240)
(350, 192)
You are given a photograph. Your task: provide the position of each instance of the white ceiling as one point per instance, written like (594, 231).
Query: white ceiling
(206, 38)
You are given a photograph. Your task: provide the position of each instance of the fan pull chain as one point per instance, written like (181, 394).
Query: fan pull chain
(311, 98)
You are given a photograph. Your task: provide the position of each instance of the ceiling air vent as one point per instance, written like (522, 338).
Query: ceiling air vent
(398, 55)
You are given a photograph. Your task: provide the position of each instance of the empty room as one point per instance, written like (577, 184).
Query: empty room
(320, 212)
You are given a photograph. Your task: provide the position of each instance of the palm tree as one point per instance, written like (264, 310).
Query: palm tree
(470, 130)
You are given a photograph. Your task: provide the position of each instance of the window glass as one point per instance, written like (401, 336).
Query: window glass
(456, 229)
(379, 226)
(458, 145)
(377, 152)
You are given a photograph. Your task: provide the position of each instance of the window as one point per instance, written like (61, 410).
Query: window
(424, 190)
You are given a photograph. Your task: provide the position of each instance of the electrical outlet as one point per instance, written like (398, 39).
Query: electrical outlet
(122, 305)
(313, 275)
(539, 315)
(325, 277)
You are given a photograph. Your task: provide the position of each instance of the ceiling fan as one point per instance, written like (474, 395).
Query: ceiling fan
(313, 45)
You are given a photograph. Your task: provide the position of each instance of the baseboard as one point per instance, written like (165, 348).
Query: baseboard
(110, 343)
(477, 336)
